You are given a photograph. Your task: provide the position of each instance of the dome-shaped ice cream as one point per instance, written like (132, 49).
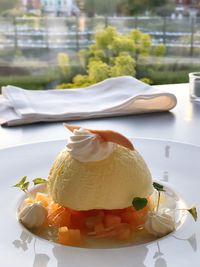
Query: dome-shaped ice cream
(91, 173)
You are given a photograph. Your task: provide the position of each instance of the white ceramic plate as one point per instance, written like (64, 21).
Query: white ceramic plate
(177, 165)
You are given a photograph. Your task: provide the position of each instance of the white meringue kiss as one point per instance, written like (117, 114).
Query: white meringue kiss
(86, 146)
(159, 224)
(33, 215)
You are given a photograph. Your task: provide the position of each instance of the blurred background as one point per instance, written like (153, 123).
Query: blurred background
(48, 44)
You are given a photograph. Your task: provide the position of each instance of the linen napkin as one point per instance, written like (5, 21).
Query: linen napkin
(111, 97)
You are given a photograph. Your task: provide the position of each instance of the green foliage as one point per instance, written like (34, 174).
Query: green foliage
(79, 80)
(135, 7)
(96, 53)
(38, 180)
(28, 81)
(123, 7)
(193, 212)
(8, 4)
(122, 43)
(98, 71)
(160, 50)
(100, 7)
(75, 84)
(114, 54)
(158, 187)
(83, 57)
(123, 65)
(65, 86)
(105, 37)
(143, 43)
(63, 63)
(146, 80)
(168, 76)
(136, 36)
(22, 184)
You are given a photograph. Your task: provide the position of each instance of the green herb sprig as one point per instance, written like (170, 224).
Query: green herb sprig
(159, 188)
(39, 181)
(23, 184)
(193, 212)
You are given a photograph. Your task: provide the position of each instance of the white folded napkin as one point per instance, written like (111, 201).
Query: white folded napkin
(111, 97)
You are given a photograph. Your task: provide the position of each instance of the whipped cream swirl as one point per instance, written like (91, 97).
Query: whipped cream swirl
(86, 146)
(33, 215)
(160, 224)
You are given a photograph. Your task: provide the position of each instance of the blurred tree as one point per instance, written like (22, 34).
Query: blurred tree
(160, 50)
(81, 80)
(126, 7)
(142, 42)
(97, 71)
(83, 57)
(122, 43)
(63, 63)
(166, 9)
(105, 37)
(8, 4)
(93, 7)
(114, 54)
(124, 64)
(140, 6)
(137, 6)
(103, 43)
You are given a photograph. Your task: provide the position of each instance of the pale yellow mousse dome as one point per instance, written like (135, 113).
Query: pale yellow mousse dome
(111, 183)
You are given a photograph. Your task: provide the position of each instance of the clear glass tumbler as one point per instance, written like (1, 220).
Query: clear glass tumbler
(194, 80)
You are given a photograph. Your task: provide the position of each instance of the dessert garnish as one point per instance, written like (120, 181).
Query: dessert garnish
(33, 215)
(99, 187)
(162, 222)
(23, 184)
(106, 135)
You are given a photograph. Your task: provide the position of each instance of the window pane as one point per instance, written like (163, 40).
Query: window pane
(47, 43)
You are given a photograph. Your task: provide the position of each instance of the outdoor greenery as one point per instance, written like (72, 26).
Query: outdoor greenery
(113, 54)
(127, 7)
(97, 7)
(8, 4)
(27, 81)
(168, 74)
(63, 63)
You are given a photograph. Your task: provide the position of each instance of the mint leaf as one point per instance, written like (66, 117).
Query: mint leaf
(21, 182)
(25, 186)
(193, 212)
(139, 203)
(158, 187)
(39, 181)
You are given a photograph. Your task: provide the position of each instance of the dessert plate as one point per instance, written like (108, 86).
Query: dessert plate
(175, 164)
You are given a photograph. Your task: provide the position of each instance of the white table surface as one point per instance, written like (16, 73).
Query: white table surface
(182, 124)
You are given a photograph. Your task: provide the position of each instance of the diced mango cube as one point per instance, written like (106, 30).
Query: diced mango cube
(63, 235)
(70, 237)
(99, 228)
(111, 220)
(123, 234)
(43, 198)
